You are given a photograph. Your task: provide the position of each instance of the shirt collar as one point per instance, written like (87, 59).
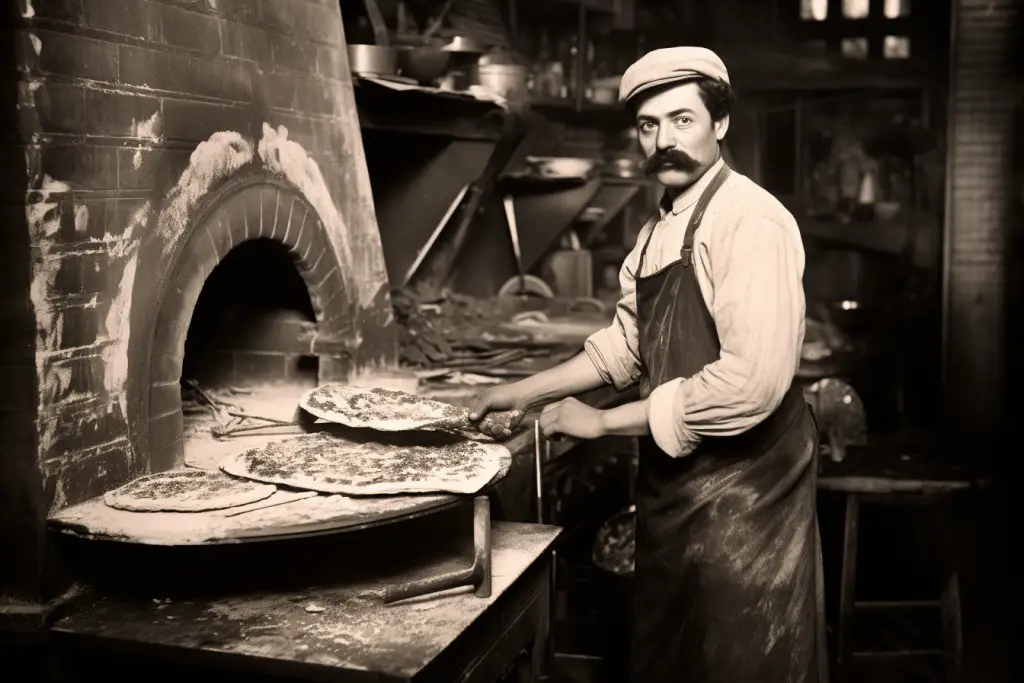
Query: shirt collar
(690, 196)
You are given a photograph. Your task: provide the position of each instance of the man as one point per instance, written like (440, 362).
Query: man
(710, 324)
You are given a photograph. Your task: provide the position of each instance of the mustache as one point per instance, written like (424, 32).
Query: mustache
(670, 159)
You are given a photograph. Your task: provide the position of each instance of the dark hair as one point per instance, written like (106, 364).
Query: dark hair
(718, 96)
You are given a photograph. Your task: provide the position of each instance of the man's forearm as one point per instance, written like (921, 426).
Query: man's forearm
(575, 376)
(629, 419)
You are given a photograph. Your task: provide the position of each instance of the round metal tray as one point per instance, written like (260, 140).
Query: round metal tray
(317, 516)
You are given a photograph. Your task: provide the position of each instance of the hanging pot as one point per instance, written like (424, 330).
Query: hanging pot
(372, 60)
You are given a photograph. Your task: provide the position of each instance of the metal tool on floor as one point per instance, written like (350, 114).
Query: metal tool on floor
(478, 576)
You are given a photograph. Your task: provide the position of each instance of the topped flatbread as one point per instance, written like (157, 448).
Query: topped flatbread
(387, 410)
(392, 410)
(331, 463)
(189, 490)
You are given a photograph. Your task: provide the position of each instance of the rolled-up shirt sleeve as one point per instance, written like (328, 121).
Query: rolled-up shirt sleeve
(758, 308)
(614, 350)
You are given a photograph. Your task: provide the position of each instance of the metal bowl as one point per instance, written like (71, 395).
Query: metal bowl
(423, 64)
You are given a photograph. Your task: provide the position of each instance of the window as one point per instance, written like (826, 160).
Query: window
(895, 9)
(818, 47)
(869, 25)
(814, 10)
(896, 47)
(854, 48)
(856, 9)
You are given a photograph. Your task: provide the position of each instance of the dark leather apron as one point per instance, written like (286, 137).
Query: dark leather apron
(727, 580)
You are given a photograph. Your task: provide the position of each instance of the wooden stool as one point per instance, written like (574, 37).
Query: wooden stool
(880, 482)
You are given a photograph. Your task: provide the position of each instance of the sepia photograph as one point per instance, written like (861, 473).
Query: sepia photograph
(510, 341)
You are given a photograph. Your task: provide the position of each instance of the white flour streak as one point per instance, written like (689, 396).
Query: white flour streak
(117, 325)
(147, 129)
(287, 158)
(43, 223)
(81, 218)
(215, 159)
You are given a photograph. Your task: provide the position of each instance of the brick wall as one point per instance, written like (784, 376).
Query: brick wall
(983, 95)
(133, 119)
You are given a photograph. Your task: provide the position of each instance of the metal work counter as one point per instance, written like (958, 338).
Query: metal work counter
(338, 631)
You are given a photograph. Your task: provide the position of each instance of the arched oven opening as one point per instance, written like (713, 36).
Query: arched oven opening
(250, 320)
(247, 349)
(251, 316)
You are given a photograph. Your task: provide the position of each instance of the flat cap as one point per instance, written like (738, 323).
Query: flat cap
(670, 65)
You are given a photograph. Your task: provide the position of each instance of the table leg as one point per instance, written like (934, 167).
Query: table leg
(848, 581)
(952, 627)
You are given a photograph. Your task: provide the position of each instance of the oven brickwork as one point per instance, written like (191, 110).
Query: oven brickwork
(112, 99)
(250, 212)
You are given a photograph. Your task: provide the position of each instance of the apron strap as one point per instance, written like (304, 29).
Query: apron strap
(686, 253)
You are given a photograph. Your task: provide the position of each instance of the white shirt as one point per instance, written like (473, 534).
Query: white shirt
(749, 263)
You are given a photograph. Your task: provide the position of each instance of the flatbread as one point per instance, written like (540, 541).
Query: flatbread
(190, 490)
(332, 463)
(386, 410)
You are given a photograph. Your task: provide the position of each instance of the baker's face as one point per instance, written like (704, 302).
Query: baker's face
(677, 135)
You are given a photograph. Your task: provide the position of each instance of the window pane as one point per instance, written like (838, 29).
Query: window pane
(896, 47)
(854, 48)
(813, 10)
(897, 8)
(856, 9)
(819, 47)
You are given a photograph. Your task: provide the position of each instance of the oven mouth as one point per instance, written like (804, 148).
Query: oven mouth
(246, 352)
(252, 313)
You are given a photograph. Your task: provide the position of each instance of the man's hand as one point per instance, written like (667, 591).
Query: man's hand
(571, 417)
(495, 399)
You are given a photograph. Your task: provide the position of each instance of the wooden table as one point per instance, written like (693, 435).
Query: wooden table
(336, 632)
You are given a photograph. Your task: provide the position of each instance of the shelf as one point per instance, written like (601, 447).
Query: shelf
(591, 112)
(880, 236)
(564, 8)
(426, 111)
(568, 103)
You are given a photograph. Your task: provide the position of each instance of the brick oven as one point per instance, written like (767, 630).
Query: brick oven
(184, 190)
